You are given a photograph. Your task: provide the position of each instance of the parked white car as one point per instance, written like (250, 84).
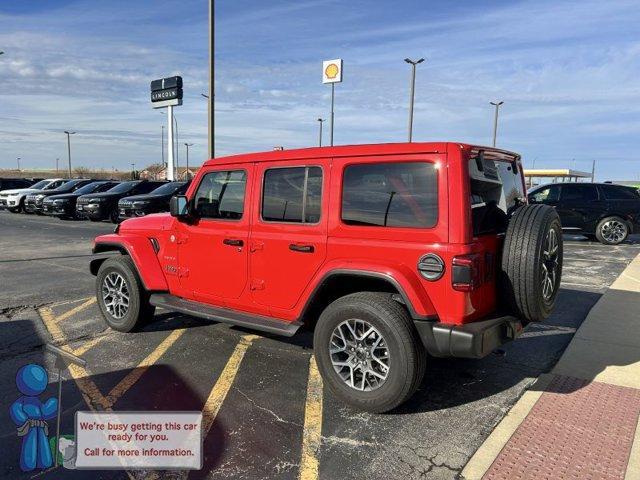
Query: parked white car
(13, 200)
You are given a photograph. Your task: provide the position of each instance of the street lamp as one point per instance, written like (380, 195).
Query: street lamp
(320, 120)
(413, 64)
(18, 160)
(133, 171)
(495, 121)
(186, 173)
(57, 160)
(69, 148)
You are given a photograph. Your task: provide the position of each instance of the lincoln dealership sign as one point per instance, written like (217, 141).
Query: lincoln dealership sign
(166, 91)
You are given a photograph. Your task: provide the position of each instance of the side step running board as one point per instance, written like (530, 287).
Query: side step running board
(197, 309)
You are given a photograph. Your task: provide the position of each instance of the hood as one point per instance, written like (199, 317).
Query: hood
(155, 221)
(19, 190)
(103, 195)
(62, 196)
(144, 196)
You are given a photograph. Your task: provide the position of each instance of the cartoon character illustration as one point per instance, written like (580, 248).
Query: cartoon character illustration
(29, 414)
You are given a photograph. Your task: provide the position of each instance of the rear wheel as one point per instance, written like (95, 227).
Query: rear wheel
(612, 231)
(122, 299)
(368, 352)
(532, 262)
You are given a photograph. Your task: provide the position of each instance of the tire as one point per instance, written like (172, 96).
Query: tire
(139, 309)
(113, 216)
(612, 231)
(530, 276)
(406, 354)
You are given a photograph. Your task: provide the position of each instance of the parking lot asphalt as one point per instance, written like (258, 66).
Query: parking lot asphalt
(266, 413)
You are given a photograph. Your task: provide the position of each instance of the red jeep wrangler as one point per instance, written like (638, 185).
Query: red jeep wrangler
(387, 251)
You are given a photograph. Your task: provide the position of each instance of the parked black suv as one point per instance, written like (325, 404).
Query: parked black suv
(154, 202)
(602, 211)
(64, 206)
(33, 201)
(104, 205)
(13, 183)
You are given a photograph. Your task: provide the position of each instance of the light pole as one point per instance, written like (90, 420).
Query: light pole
(211, 93)
(18, 160)
(133, 171)
(320, 121)
(186, 173)
(495, 120)
(69, 148)
(412, 95)
(57, 160)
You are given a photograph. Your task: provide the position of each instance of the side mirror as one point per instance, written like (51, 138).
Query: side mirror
(179, 206)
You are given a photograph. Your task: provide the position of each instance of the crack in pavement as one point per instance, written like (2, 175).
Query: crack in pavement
(271, 412)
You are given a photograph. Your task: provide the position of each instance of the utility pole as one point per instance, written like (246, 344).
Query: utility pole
(320, 120)
(186, 173)
(593, 171)
(69, 148)
(210, 104)
(495, 121)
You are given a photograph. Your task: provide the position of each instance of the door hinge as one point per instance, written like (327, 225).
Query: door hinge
(183, 272)
(257, 284)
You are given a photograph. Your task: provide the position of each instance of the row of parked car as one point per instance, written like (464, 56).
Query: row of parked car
(96, 200)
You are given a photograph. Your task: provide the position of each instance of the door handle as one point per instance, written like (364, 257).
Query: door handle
(301, 248)
(233, 242)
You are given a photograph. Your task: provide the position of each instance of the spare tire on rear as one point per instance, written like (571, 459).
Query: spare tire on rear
(532, 262)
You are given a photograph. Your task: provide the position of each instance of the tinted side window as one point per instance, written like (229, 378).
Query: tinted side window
(390, 195)
(579, 192)
(221, 195)
(613, 192)
(145, 187)
(292, 195)
(550, 193)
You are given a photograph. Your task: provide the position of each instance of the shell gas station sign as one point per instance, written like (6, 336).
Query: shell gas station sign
(332, 71)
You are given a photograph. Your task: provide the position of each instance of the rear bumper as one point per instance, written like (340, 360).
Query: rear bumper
(471, 340)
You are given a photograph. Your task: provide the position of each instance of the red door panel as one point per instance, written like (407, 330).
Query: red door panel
(286, 252)
(213, 252)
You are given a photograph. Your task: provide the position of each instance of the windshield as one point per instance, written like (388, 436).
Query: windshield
(89, 188)
(40, 184)
(68, 186)
(167, 188)
(123, 187)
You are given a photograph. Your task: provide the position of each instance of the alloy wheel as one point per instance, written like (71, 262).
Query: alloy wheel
(550, 264)
(115, 295)
(359, 355)
(613, 231)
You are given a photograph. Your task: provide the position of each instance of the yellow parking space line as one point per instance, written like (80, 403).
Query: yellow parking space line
(75, 310)
(89, 390)
(49, 320)
(86, 346)
(67, 302)
(127, 382)
(312, 433)
(223, 384)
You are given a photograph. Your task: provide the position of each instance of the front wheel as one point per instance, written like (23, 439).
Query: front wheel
(612, 231)
(122, 299)
(368, 351)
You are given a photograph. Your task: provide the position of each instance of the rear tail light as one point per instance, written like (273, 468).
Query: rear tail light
(466, 272)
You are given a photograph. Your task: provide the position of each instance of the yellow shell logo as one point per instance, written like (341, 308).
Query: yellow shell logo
(331, 71)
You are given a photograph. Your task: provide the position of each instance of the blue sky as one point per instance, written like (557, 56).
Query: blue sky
(568, 73)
